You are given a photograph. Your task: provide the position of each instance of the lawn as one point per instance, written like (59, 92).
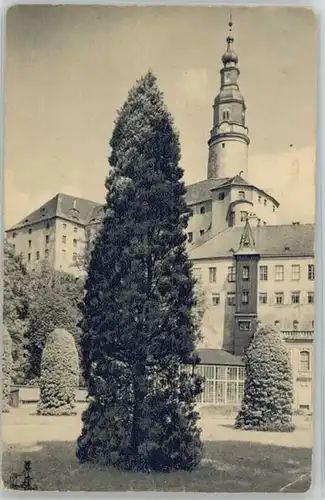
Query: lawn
(234, 461)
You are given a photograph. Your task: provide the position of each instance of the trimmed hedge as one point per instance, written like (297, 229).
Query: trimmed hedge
(6, 369)
(59, 375)
(268, 394)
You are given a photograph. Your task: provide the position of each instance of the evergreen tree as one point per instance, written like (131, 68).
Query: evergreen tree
(6, 369)
(139, 325)
(15, 306)
(47, 312)
(59, 375)
(268, 393)
(54, 300)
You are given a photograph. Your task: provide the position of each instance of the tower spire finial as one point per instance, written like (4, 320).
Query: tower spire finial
(230, 23)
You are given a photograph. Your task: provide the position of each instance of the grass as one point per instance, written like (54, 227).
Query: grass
(233, 462)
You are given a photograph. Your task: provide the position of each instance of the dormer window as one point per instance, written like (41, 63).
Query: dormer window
(243, 216)
(221, 196)
(202, 210)
(241, 195)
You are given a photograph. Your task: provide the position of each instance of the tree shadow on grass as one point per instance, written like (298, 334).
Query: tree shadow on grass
(228, 466)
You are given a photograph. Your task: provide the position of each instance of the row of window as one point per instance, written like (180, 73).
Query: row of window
(225, 384)
(264, 298)
(190, 235)
(48, 225)
(279, 273)
(46, 255)
(242, 196)
(74, 241)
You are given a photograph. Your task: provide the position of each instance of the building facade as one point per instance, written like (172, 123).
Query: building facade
(250, 269)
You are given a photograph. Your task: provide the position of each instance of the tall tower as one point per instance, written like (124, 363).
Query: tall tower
(247, 259)
(228, 143)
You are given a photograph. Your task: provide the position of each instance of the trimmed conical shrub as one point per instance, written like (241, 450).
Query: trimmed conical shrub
(6, 369)
(268, 394)
(59, 375)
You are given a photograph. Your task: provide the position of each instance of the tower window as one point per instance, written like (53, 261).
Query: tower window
(223, 144)
(212, 274)
(263, 298)
(295, 272)
(29, 243)
(221, 196)
(231, 299)
(30, 231)
(216, 299)
(245, 297)
(201, 232)
(47, 239)
(279, 298)
(202, 210)
(231, 274)
(75, 242)
(244, 326)
(241, 195)
(37, 255)
(29, 256)
(14, 235)
(232, 219)
(46, 253)
(226, 115)
(263, 273)
(243, 216)
(279, 273)
(47, 225)
(246, 273)
(190, 237)
(304, 364)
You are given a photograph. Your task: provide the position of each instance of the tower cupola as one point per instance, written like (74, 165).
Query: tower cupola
(228, 144)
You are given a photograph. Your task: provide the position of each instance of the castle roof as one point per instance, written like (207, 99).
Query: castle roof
(292, 240)
(64, 206)
(202, 191)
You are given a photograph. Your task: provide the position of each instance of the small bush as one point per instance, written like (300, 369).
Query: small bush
(59, 375)
(268, 394)
(6, 369)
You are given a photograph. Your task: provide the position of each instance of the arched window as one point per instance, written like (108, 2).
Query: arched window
(304, 363)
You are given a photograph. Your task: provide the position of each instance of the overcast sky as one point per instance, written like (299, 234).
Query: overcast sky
(69, 68)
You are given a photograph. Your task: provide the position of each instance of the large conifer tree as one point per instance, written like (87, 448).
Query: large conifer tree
(139, 325)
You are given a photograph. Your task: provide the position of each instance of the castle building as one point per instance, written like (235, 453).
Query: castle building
(249, 268)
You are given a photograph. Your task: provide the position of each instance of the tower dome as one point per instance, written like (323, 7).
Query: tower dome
(230, 56)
